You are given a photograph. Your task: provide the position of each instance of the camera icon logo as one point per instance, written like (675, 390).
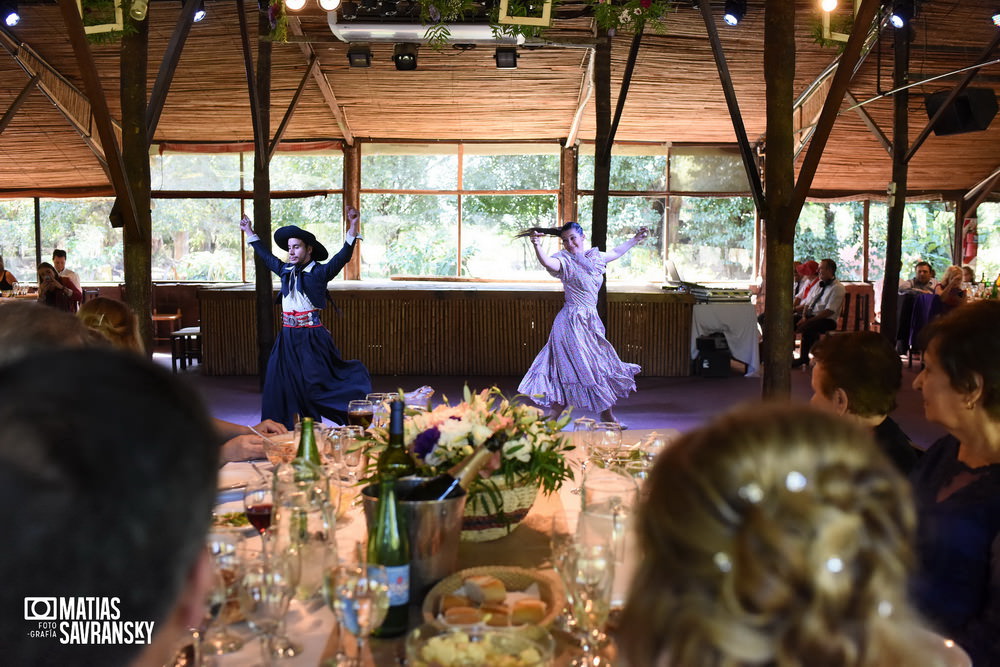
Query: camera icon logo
(40, 609)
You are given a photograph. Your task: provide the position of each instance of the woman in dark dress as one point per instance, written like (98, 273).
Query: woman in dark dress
(7, 278)
(957, 484)
(61, 293)
(305, 374)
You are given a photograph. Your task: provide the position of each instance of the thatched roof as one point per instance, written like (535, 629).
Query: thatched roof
(675, 94)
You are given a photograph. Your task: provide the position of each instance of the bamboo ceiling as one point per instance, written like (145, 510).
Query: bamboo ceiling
(675, 94)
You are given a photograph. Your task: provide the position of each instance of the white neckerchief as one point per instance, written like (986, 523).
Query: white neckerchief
(296, 300)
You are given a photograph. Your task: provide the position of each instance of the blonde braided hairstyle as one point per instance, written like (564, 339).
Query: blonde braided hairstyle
(776, 535)
(112, 321)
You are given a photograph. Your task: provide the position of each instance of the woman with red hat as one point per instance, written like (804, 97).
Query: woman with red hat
(305, 374)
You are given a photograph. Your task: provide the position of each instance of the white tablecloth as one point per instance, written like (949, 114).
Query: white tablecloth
(738, 322)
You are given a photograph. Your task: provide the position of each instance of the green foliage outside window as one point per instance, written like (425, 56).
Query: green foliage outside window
(834, 230)
(928, 234)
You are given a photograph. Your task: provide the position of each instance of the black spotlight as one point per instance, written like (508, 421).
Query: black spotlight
(404, 55)
(506, 57)
(735, 10)
(349, 11)
(903, 12)
(359, 55)
(8, 11)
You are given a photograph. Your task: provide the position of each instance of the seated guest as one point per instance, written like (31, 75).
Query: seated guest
(57, 292)
(949, 290)
(923, 281)
(822, 308)
(809, 274)
(778, 536)
(28, 326)
(957, 484)
(107, 513)
(113, 321)
(7, 278)
(857, 375)
(968, 275)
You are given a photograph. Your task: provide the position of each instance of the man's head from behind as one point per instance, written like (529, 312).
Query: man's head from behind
(856, 373)
(108, 477)
(59, 259)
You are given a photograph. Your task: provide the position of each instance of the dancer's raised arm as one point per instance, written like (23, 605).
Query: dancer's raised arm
(617, 252)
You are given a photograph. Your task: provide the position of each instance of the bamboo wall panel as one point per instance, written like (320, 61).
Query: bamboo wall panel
(459, 332)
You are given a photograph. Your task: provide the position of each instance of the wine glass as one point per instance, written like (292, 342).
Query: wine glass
(258, 505)
(224, 544)
(606, 441)
(216, 599)
(583, 428)
(360, 413)
(359, 596)
(380, 408)
(267, 586)
(351, 450)
(591, 575)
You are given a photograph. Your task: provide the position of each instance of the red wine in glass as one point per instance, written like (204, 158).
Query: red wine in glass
(259, 516)
(362, 419)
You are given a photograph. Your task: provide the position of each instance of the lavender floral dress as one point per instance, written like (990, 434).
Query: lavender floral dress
(578, 367)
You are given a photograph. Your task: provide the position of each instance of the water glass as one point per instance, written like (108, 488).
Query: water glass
(303, 530)
(266, 589)
(380, 403)
(606, 442)
(352, 451)
(225, 546)
(359, 597)
(590, 578)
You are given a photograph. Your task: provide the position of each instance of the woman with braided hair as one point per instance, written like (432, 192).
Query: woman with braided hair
(578, 367)
(777, 536)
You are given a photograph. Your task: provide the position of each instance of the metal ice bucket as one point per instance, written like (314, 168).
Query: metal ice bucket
(434, 526)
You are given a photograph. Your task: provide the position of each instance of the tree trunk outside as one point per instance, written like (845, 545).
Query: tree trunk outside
(135, 155)
(779, 183)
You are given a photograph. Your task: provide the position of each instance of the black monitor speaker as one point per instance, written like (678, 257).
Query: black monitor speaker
(972, 111)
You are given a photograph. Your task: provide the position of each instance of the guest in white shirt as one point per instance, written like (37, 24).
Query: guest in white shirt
(821, 310)
(59, 261)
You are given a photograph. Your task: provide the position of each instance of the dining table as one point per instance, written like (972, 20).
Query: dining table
(312, 625)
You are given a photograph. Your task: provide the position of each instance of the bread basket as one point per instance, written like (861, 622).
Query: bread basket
(515, 579)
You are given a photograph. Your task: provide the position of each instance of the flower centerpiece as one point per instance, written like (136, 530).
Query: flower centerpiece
(530, 455)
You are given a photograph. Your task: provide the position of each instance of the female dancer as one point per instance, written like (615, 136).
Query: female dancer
(578, 366)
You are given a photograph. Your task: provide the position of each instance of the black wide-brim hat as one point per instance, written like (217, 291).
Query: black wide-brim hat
(319, 252)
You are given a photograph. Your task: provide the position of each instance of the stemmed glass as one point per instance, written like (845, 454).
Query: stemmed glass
(380, 408)
(360, 413)
(215, 601)
(606, 442)
(359, 596)
(590, 570)
(258, 505)
(584, 429)
(351, 451)
(223, 544)
(266, 589)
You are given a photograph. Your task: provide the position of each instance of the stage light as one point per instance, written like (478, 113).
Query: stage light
(329, 5)
(996, 18)
(138, 9)
(735, 10)
(506, 57)
(902, 13)
(359, 55)
(295, 5)
(200, 13)
(404, 54)
(828, 5)
(8, 9)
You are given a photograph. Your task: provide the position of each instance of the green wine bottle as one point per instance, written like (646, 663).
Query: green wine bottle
(395, 461)
(389, 546)
(307, 462)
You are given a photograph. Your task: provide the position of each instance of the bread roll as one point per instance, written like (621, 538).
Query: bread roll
(450, 600)
(485, 589)
(496, 615)
(462, 616)
(527, 612)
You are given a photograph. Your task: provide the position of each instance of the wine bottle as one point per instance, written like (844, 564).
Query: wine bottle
(395, 461)
(307, 462)
(389, 546)
(460, 476)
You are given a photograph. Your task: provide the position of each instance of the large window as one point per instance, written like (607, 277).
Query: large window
(17, 238)
(988, 259)
(81, 228)
(928, 234)
(453, 211)
(834, 231)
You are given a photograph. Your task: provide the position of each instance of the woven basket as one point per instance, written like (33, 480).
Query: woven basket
(514, 579)
(482, 523)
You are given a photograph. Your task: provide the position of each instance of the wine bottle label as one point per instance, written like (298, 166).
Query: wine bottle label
(399, 584)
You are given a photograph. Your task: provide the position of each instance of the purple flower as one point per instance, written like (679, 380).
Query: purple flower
(434, 13)
(424, 443)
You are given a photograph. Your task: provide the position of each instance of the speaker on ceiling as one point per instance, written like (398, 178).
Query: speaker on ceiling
(972, 111)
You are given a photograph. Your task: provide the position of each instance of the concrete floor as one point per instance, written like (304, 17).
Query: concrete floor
(681, 403)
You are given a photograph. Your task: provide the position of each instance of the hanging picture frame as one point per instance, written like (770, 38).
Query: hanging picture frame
(543, 19)
(100, 16)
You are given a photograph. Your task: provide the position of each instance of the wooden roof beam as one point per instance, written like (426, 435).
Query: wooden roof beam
(291, 109)
(583, 99)
(260, 146)
(16, 104)
(749, 162)
(168, 66)
(99, 108)
(983, 188)
(633, 54)
(295, 28)
(870, 122)
(952, 94)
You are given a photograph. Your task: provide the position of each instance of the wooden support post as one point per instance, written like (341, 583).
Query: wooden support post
(568, 170)
(602, 158)
(352, 197)
(260, 94)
